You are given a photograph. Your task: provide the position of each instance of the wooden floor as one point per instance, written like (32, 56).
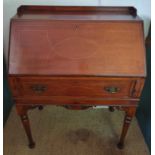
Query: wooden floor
(58, 131)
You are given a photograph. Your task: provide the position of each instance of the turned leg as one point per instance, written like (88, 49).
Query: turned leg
(22, 112)
(129, 113)
(26, 125)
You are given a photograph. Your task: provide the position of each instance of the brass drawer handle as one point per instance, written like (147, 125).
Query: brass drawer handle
(112, 90)
(37, 88)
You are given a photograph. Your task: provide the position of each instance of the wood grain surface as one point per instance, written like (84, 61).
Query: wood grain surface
(44, 47)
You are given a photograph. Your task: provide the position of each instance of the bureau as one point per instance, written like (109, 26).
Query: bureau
(76, 57)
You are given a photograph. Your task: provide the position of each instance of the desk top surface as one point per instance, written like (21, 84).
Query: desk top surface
(79, 43)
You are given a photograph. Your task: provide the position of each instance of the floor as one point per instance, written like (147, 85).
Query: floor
(58, 131)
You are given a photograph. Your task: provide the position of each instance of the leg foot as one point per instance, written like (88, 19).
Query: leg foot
(120, 145)
(32, 145)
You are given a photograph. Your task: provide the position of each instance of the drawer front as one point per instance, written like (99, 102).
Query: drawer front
(67, 86)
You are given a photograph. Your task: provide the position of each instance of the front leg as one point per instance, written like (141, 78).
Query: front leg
(129, 113)
(22, 112)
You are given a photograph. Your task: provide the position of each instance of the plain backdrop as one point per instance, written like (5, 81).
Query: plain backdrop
(10, 7)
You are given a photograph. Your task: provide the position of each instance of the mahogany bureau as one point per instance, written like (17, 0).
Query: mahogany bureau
(76, 57)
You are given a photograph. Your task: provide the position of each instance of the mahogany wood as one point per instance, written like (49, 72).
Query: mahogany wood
(22, 111)
(76, 57)
(130, 112)
(74, 9)
(105, 48)
(76, 86)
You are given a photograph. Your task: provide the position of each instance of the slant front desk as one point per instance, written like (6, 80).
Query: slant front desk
(76, 57)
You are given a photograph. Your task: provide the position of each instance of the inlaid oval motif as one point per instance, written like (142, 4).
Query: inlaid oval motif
(76, 48)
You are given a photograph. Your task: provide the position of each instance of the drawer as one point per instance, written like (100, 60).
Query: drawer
(73, 86)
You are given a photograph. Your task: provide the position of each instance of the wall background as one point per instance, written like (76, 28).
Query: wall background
(10, 7)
